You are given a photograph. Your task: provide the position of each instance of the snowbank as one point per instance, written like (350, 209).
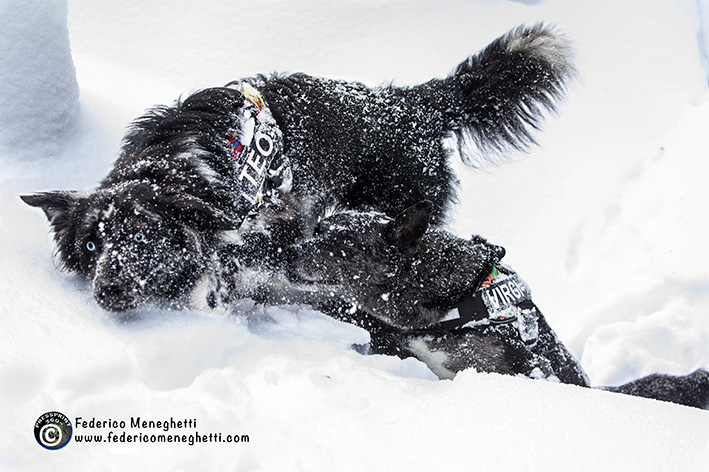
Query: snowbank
(605, 221)
(39, 94)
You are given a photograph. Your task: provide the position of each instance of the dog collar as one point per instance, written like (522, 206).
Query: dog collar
(496, 301)
(257, 147)
(252, 96)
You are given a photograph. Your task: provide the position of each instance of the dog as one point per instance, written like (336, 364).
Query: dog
(689, 390)
(411, 277)
(189, 173)
(447, 301)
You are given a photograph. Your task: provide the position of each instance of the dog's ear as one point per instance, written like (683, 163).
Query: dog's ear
(197, 212)
(58, 205)
(407, 229)
(62, 210)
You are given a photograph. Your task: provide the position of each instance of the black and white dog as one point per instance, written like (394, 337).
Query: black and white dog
(447, 301)
(190, 172)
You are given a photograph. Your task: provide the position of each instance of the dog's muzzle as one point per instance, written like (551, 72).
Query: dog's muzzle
(115, 295)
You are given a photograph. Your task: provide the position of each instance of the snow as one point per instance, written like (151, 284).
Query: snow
(606, 221)
(36, 68)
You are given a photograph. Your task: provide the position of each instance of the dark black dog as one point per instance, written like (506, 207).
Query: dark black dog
(189, 172)
(423, 282)
(447, 301)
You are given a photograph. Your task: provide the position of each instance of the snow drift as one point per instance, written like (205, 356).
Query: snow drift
(39, 94)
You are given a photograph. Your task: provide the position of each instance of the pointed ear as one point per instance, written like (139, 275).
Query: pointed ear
(407, 229)
(62, 210)
(199, 213)
(56, 205)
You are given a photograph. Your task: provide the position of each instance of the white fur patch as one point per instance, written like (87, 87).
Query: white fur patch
(542, 42)
(198, 297)
(435, 360)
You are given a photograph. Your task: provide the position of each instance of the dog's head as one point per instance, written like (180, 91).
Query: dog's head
(132, 243)
(360, 249)
(395, 269)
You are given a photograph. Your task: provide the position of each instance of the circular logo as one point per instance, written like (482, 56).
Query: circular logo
(52, 430)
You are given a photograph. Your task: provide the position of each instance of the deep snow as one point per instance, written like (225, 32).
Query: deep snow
(606, 221)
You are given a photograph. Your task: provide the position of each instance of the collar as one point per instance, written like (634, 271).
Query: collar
(469, 312)
(496, 300)
(257, 147)
(252, 96)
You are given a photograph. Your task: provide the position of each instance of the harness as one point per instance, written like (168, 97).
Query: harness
(501, 298)
(257, 148)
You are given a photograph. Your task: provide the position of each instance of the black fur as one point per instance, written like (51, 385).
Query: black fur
(383, 147)
(125, 240)
(348, 144)
(396, 270)
(409, 277)
(689, 390)
(399, 279)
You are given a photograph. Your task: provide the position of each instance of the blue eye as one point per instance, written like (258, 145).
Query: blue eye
(91, 246)
(139, 237)
(348, 243)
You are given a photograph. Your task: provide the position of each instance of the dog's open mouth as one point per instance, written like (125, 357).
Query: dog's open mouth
(301, 276)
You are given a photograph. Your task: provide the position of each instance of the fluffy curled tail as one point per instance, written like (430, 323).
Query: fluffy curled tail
(499, 96)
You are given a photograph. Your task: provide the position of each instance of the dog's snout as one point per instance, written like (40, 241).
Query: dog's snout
(499, 252)
(109, 289)
(114, 295)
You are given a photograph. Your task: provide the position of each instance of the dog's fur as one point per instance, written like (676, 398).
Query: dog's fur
(153, 224)
(395, 269)
(689, 390)
(399, 279)
(409, 277)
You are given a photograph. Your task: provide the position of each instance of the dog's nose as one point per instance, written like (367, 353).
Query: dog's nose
(113, 295)
(500, 252)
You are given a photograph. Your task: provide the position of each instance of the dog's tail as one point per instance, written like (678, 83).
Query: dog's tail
(499, 96)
